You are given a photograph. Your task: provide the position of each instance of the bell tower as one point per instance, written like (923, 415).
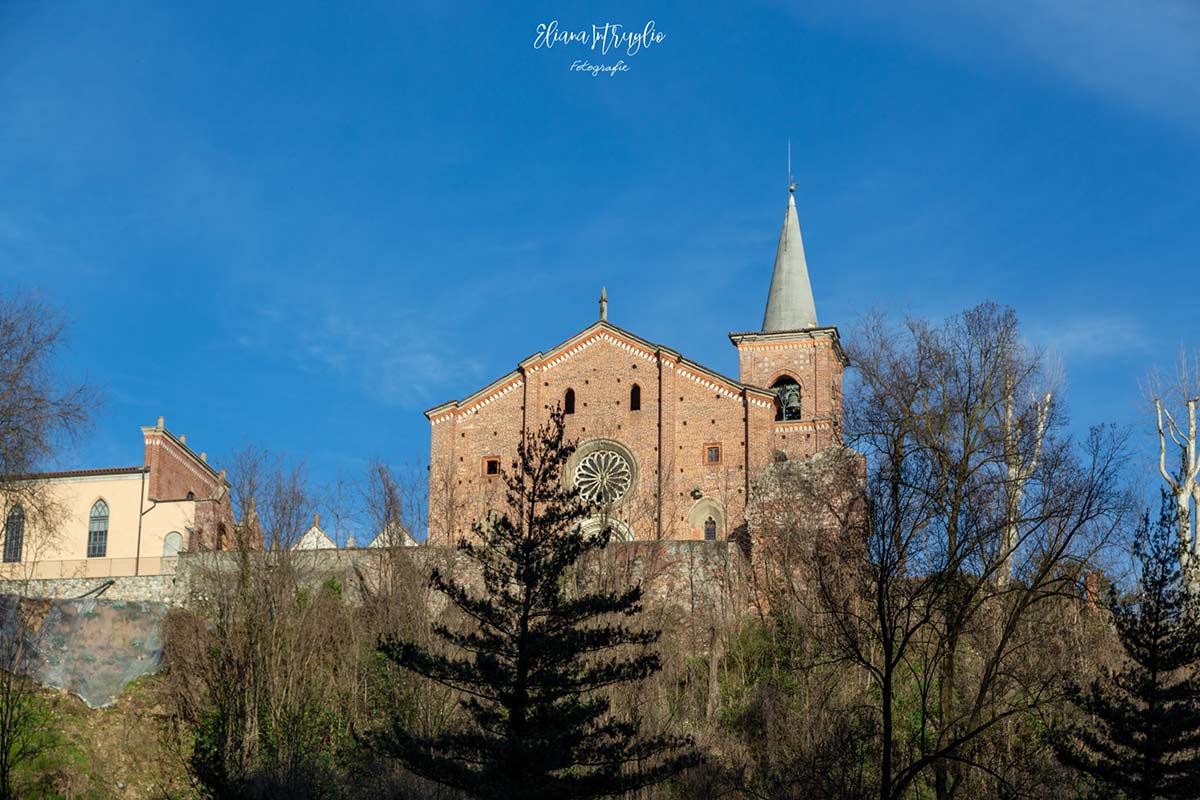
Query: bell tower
(793, 356)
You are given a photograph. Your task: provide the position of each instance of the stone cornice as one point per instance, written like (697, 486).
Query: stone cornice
(599, 331)
(192, 460)
(483, 397)
(798, 338)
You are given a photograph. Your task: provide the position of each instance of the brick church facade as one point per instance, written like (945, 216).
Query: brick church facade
(669, 446)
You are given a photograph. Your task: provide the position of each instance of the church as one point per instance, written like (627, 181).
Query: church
(668, 445)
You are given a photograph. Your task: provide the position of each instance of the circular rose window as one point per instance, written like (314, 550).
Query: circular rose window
(603, 476)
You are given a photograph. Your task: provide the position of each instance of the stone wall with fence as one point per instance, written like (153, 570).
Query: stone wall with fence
(686, 574)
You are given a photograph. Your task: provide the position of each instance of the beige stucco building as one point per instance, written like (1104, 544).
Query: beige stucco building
(115, 521)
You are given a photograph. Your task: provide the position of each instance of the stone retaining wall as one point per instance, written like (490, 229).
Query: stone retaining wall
(142, 588)
(685, 573)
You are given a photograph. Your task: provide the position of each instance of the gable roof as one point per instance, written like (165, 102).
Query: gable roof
(314, 539)
(396, 536)
(601, 330)
(192, 458)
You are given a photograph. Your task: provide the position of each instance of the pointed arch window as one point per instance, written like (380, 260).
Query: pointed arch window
(710, 529)
(14, 535)
(97, 546)
(569, 402)
(635, 398)
(787, 399)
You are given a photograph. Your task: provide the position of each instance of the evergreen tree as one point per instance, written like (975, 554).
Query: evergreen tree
(534, 659)
(1142, 729)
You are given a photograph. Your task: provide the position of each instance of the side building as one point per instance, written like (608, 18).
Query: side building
(115, 521)
(667, 445)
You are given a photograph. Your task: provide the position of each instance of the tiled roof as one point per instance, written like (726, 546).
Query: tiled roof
(76, 473)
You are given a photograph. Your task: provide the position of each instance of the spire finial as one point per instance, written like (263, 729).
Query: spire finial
(791, 183)
(603, 304)
(790, 302)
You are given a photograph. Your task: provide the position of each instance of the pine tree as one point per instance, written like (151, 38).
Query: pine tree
(1141, 734)
(534, 660)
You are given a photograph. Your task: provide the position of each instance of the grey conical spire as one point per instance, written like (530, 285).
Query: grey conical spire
(790, 304)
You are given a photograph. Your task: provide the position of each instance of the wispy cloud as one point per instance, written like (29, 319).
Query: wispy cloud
(396, 362)
(1146, 54)
(1143, 56)
(1091, 336)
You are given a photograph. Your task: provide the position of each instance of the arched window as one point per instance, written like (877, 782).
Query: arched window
(787, 398)
(14, 535)
(191, 495)
(98, 530)
(222, 539)
(635, 398)
(172, 544)
(708, 517)
(569, 402)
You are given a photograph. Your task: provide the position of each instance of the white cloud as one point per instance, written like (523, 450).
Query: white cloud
(1139, 55)
(1088, 337)
(1144, 54)
(387, 354)
(399, 363)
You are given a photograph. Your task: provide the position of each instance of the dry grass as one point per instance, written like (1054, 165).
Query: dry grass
(128, 750)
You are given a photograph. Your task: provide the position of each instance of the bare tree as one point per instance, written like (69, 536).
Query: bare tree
(1175, 404)
(255, 665)
(1021, 457)
(974, 535)
(395, 501)
(446, 504)
(38, 410)
(273, 667)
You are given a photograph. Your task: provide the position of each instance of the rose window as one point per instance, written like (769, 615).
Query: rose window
(603, 476)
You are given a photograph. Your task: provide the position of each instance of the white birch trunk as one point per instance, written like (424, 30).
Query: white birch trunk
(1183, 486)
(1018, 471)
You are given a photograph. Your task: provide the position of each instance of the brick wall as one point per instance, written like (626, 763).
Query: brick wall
(176, 471)
(685, 411)
(814, 359)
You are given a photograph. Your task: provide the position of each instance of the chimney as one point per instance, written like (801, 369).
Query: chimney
(316, 520)
(161, 423)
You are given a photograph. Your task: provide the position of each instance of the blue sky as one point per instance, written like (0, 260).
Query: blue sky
(301, 224)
